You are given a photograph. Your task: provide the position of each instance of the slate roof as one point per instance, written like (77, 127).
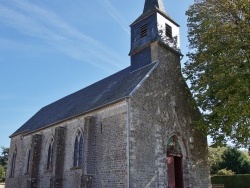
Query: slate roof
(152, 4)
(152, 11)
(106, 91)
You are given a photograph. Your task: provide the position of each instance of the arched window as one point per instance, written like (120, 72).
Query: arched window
(50, 155)
(13, 163)
(28, 161)
(78, 150)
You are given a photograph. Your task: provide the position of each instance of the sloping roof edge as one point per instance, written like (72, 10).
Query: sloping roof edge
(113, 89)
(143, 80)
(26, 132)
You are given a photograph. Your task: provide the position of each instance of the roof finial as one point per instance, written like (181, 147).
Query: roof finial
(153, 4)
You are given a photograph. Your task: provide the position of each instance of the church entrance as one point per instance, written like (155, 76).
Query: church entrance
(174, 164)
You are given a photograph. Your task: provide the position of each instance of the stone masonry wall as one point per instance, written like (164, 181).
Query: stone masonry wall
(59, 147)
(111, 149)
(160, 109)
(35, 160)
(104, 132)
(20, 178)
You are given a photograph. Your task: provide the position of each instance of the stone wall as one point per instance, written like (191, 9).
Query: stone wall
(104, 152)
(20, 177)
(36, 151)
(111, 150)
(59, 147)
(162, 107)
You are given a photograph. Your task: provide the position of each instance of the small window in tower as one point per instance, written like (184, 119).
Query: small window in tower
(168, 31)
(144, 30)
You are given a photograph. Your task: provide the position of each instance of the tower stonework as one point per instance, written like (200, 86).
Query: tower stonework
(133, 129)
(166, 148)
(160, 111)
(153, 25)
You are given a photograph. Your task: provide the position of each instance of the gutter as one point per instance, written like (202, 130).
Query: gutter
(128, 140)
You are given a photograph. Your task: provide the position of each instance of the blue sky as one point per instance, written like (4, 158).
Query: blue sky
(52, 48)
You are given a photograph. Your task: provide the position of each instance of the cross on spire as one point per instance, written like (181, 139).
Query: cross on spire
(152, 5)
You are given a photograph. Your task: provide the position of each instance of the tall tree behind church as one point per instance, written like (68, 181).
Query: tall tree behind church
(219, 67)
(4, 157)
(3, 162)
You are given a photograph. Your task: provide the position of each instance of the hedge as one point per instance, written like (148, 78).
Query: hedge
(235, 181)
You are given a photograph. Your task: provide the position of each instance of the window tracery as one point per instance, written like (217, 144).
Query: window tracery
(78, 150)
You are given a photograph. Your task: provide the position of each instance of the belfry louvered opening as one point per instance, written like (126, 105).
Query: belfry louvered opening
(144, 30)
(169, 31)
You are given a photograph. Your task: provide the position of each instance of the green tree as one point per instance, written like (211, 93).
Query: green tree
(4, 157)
(219, 67)
(2, 174)
(247, 156)
(3, 163)
(214, 158)
(235, 160)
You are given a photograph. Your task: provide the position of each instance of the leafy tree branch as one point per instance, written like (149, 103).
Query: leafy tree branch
(219, 67)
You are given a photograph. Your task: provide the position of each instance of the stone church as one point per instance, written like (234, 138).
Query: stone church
(133, 129)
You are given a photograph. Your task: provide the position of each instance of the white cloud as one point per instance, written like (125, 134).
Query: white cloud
(111, 10)
(34, 21)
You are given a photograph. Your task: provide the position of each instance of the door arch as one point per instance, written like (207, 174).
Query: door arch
(174, 163)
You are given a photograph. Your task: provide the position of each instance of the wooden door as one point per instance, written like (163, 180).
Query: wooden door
(178, 172)
(175, 172)
(171, 172)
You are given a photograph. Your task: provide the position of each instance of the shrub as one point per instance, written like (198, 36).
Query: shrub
(235, 181)
(225, 172)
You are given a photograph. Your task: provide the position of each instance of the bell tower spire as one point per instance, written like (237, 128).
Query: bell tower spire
(153, 4)
(152, 28)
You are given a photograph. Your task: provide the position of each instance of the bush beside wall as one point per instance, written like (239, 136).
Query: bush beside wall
(235, 181)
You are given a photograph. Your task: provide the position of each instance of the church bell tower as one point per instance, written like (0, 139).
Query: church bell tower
(154, 25)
